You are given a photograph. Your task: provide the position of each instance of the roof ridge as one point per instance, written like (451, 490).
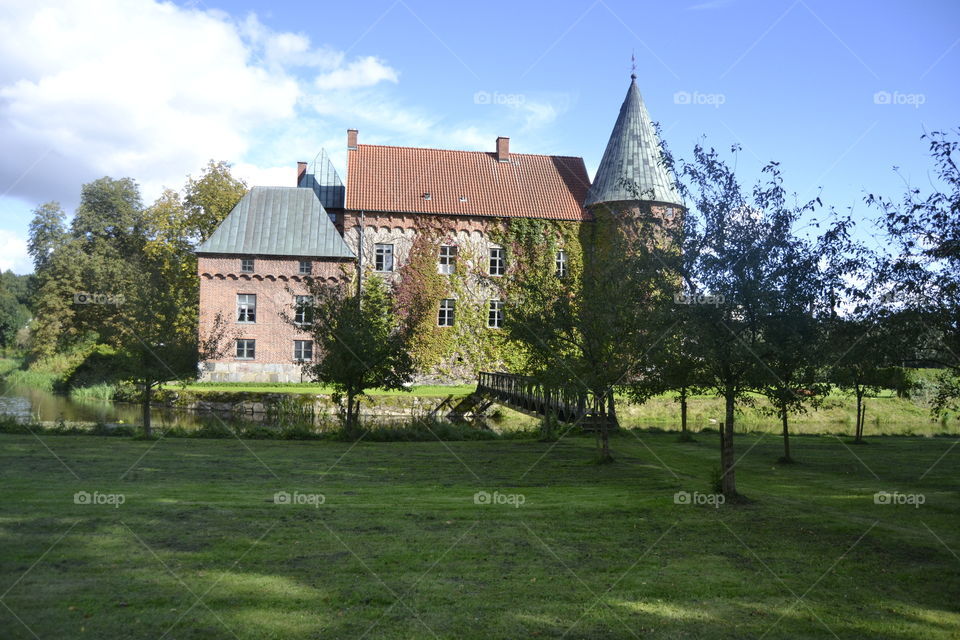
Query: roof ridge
(489, 153)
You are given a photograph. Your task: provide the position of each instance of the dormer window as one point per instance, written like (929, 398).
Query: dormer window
(463, 198)
(427, 196)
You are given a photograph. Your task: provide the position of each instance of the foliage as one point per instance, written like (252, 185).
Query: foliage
(362, 341)
(923, 268)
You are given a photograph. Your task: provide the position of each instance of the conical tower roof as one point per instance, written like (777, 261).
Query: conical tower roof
(632, 156)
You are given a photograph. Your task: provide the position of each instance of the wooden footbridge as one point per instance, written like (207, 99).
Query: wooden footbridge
(523, 393)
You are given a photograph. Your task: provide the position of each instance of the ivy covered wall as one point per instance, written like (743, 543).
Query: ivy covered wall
(457, 353)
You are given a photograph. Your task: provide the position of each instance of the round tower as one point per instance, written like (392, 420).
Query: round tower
(631, 181)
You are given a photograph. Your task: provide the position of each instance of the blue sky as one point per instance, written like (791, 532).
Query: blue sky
(837, 92)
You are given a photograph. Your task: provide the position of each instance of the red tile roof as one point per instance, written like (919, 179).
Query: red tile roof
(395, 179)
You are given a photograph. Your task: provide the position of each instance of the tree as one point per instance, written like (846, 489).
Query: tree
(158, 340)
(802, 296)
(208, 199)
(14, 312)
(48, 231)
(362, 342)
(735, 246)
(924, 269)
(594, 329)
(859, 339)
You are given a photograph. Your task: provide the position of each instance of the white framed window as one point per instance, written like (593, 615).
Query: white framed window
(246, 265)
(495, 314)
(498, 263)
(246, 349)
(447, 312)
(383, 257)
(448, 259)
(561, 264)
(303, 310)
(303, 350)
(306, 267)
(246, 307)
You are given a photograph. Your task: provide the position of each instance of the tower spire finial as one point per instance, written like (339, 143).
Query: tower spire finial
(633, 65)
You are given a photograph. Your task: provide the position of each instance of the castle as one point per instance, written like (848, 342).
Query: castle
(256, 263)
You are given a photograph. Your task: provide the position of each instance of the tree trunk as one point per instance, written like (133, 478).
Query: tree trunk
(728, 481)
(612, 408)
(683, 411)
(857, 430)
(147, 396)
(786, 436)
(605, 410)
(351, 413)
(863, 421)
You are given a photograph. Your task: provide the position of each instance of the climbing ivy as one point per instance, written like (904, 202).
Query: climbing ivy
(458, 352)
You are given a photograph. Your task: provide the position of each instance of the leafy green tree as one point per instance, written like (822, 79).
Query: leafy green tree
(208, 199)
(924, 268)
(859, 339)
(14, 312)
(48, 231)
(594, 333)
(361, 342)
(157, 341)
(735, 246)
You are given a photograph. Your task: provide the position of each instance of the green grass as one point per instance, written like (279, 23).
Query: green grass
(886, 415)
(399, 549)
(102, 392)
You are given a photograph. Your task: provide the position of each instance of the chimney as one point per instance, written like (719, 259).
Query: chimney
(301, 172)
(503, 149)
(351, 139)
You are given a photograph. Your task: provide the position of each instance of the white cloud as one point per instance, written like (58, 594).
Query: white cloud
(364, 72)
(134, 87)
(13, 253)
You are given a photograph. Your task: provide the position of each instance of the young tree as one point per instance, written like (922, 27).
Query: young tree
(859, 369)
(793, 336)
(158, 341)
(736, 246)
(924, 268)
(594, 330)
(362, 342)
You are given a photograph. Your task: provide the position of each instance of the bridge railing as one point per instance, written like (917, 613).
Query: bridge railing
(568, 403)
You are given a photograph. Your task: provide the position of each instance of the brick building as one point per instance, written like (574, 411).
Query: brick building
(253, 266)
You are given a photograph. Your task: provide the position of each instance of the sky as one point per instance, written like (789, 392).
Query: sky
(839, 93)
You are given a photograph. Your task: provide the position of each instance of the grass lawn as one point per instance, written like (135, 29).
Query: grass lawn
(399, 549)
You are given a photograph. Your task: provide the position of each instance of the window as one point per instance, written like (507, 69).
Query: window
(561, 264)
(303, 350)
(448, 259)
(495, 316)
(246, 349)
(383, 258)
(303, 309)
(246, 307)
(447, 310)
(246, 265)
(306, 267)
(497, 262)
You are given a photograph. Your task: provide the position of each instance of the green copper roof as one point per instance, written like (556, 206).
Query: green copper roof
(279, 221)
(632, 156)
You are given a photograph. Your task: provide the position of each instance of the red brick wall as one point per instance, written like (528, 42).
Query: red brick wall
(275, 281)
